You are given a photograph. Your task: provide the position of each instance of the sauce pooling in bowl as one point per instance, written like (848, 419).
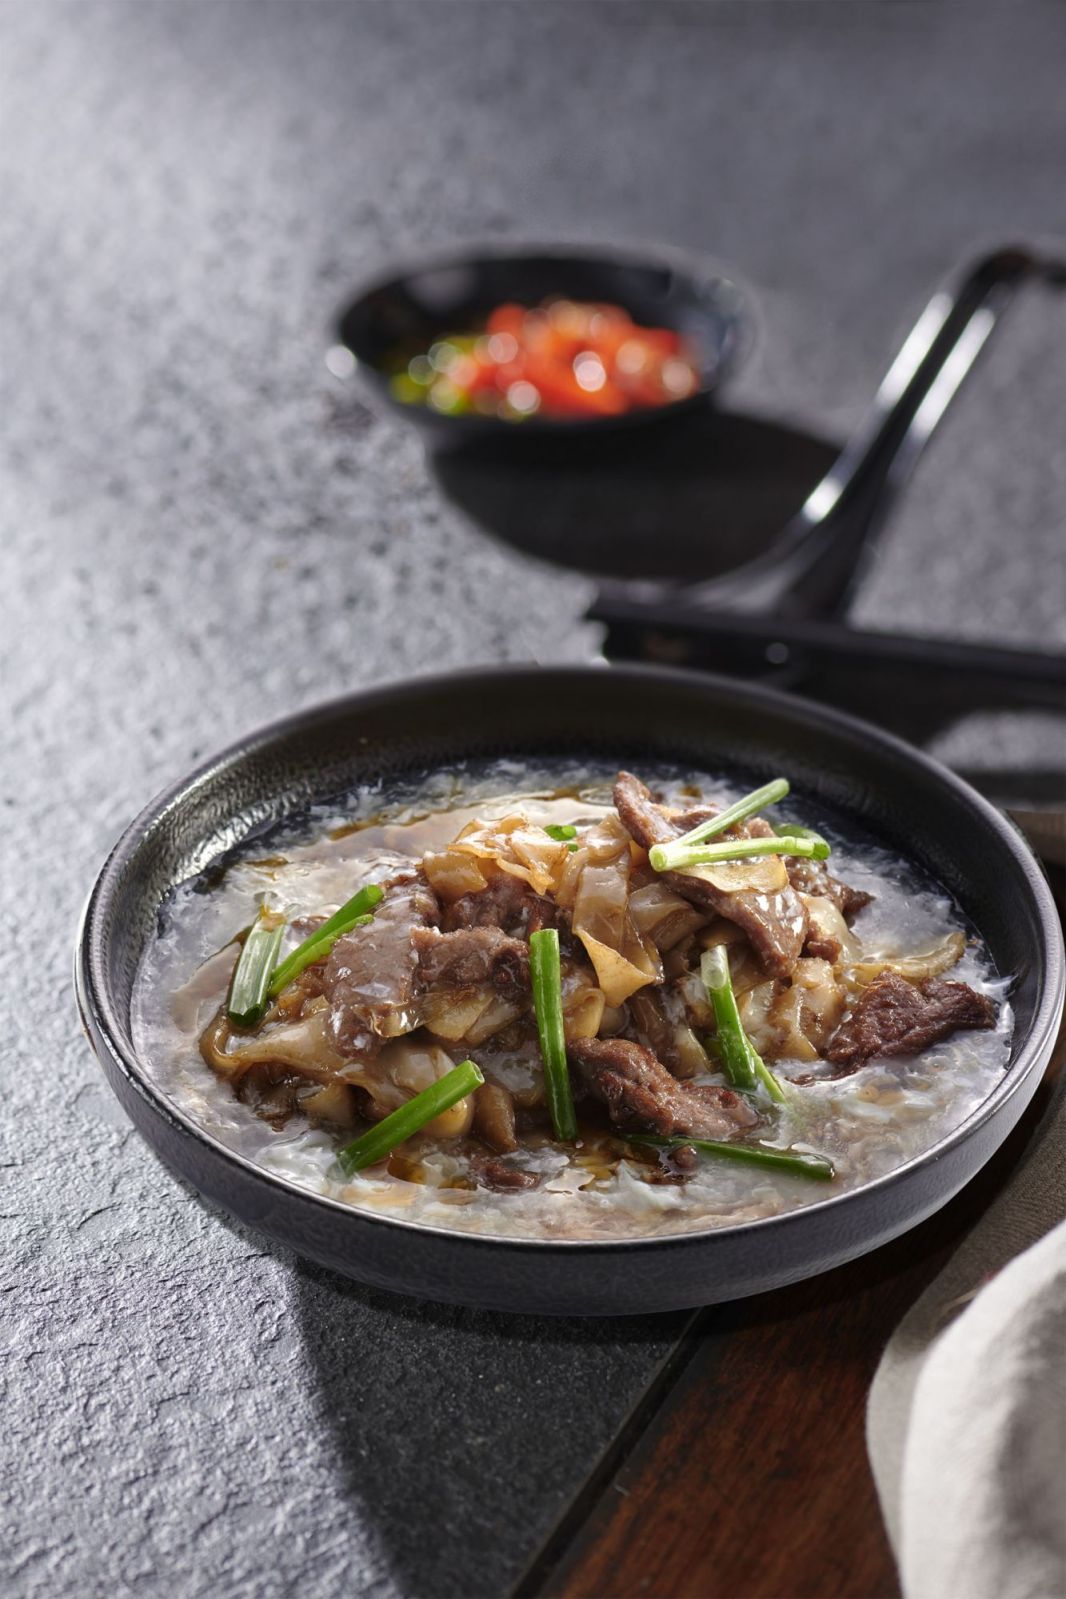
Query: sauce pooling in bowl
(739, 1016)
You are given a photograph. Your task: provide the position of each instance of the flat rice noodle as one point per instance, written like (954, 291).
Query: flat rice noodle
(692, 994)
(451, 873)
(602, 845)
(332, 1102)
(570, 877)
(822, 999)
(785, 1016)
(794, 1021)
(540, 854)
(395, 1024)
(613, 1021)
(518, 848)
(663, 916)
(754, 1008)
(618, 976)
(468, 1015)
(209, 981)
(623, 960)
(609, 840)
(691, 1057)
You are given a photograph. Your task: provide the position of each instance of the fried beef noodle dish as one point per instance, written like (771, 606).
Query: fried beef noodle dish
(567, 1003)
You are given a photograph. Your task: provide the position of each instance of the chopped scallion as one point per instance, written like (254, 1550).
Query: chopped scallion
(740, 1060)
(734, 1049)
(740, 811)
(546, 978)
(353, 913)
(402, 1124)
(250, 987)
(560, 831)
(792, 830)
(766, 1077)
(794, 1162)
(677, 856)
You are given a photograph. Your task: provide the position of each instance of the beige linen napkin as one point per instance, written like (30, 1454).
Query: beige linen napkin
(966, 1423)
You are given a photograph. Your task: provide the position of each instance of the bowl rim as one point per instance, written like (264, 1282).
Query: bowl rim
(704, 272)
(104, 1030)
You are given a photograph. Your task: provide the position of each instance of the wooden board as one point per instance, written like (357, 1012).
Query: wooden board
(744, 1475)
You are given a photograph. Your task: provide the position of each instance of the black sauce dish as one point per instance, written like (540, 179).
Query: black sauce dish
(415, 304)
(629, 715)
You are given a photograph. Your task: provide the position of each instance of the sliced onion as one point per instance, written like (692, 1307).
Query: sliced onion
(583, 1011)
(402, 1070)
(451, 1012)
(304, 1046)
(915, 968)
(331, 1102)
(763, 874)
(499, 1013)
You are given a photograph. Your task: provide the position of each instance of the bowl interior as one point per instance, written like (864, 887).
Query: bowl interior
(419, 305)
(624, 715)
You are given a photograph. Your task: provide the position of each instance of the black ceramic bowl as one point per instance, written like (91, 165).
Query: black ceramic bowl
(455, 292)
(620, 714)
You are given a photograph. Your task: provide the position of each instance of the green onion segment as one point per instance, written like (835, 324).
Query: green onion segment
(740, 1060)
(750, 805)
(319, 943)
(677, 856)
(561, 831)
(546, 978)
(402, 1124)
(782, 1160)
(793, 830)
(250, 986)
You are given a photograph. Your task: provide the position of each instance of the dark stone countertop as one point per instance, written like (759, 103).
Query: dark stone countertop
(189, 192)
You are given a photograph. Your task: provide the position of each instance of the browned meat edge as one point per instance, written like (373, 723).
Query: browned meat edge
(642, 1096)
(469, 956)
(775, 924)
(507, 904)
(812, 877)
(492, 1172)
(894, 1017)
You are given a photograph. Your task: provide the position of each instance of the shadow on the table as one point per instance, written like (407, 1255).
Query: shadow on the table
(686, 500)
(464, 1434)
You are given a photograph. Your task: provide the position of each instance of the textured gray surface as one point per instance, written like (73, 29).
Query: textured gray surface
(200, 528)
